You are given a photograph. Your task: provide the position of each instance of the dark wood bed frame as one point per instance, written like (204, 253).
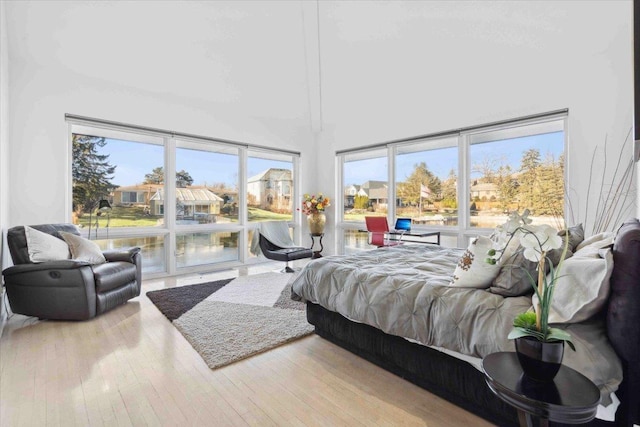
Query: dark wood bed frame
(462, 384)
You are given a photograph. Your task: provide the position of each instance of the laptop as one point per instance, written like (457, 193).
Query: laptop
(403, 225)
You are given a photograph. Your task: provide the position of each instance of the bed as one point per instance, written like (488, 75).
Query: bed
(393, 307)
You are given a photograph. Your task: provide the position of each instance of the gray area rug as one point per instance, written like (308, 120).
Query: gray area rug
(223, 329)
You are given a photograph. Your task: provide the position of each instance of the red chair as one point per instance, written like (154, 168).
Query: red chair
(378, 228)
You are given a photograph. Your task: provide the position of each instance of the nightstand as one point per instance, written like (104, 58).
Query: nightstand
(571, 398)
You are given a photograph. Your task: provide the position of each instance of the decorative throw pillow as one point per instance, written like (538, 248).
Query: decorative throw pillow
(576, 236)
(583, 286)
(512, 280)
(472, 270)
(43, 247)
(83, 249)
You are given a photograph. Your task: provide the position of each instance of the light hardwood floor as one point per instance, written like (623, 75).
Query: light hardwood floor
(130, 366)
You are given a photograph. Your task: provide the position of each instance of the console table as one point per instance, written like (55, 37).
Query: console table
(397, 235)
(571, 398)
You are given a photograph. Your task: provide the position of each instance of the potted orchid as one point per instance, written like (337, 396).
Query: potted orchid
(535, 339)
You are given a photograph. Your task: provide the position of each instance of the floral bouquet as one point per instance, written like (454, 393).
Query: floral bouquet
(536, 241)
(314, 204)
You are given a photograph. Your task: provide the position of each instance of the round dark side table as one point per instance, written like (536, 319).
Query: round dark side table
(316, 254)
(571, 398)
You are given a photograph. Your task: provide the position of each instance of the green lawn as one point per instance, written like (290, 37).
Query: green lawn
(135, 217)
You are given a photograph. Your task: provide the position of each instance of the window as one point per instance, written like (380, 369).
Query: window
(205, 248)
(114, 170)
(458, 183)
(365, 185)
(122, 177)
(268, 176)
(427, 182)
(206, 183)
(517, 168)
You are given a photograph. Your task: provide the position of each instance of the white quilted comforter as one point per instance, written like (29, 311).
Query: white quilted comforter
(403, 291)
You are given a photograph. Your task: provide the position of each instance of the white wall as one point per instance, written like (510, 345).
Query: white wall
(232, 70)
(4, 147)
(392, 70)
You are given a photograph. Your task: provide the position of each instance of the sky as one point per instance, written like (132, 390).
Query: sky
(441, 161)
(134, 160)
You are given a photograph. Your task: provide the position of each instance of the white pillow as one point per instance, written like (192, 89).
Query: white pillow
(583, 286)
(472, 270)
(596, 242)
(43, 247)
(83, 249)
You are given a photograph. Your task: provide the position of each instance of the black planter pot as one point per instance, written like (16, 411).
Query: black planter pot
(540, 361)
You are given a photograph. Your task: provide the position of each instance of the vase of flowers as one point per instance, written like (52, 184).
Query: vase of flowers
(314, 206)
(540, 348)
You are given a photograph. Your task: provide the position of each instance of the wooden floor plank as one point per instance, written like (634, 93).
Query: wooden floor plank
(131, 367)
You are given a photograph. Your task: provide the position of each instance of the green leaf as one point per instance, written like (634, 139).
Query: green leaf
(518, 332)
(525, 320)
(560, 335)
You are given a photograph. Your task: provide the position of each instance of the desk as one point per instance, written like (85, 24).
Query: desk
(393, 236)
(316, 254)
(571, 398)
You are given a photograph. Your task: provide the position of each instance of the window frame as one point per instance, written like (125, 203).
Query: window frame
(169, 231)
(462, 232)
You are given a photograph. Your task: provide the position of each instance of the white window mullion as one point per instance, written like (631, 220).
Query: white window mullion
(170, 202)
(296, 199)
(339, 205)
(243, 219)
(391, 189)
(464, 170)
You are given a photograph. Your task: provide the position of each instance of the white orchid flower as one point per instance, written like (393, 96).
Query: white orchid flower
(552, 240)
(539, 239)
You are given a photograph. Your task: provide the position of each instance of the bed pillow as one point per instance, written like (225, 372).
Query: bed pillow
(43, 247)
(583, 287)
(513, 280)
(83, 249)
(472, 271)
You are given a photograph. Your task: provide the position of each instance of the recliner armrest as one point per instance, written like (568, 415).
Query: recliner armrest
(42, 266)
(127, 255)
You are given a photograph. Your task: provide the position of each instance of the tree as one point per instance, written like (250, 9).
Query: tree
(91, 172)
(507, 186)
(450, 190)
(409, 190)
(551, 187)
(360, 201)
(155, 177)
(486, 169)
(529, 173)
(183, 179)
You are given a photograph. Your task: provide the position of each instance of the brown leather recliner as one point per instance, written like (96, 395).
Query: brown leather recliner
(68, 289)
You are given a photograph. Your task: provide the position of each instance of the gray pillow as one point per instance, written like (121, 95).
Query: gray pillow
(576, 236)
(513, 281)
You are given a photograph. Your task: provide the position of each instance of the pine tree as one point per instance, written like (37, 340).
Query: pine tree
(183, 178)
(529, 171)
(91, 172)
(507, 187)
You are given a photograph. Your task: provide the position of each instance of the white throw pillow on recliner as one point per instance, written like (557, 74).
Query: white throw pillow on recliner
(83, 249)
(43, 247)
